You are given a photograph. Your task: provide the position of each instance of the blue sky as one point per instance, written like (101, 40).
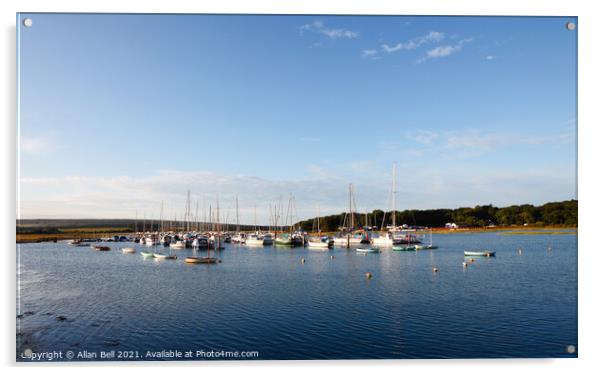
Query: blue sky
(119, 112)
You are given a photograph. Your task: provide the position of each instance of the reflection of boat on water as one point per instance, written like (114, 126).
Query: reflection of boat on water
(479, 253)
(101, 248)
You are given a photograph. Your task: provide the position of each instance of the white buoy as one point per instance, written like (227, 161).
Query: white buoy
(464, 264)
(435, 269)
(332, 257)
(302, 260)
(368, 275)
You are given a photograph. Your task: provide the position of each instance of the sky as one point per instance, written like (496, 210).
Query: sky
(118, 113)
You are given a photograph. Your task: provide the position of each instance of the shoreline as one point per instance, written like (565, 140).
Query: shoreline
(507, 230)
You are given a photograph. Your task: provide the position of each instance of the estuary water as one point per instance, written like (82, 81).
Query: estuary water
(265, 300)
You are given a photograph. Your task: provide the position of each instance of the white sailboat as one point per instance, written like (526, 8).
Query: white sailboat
(319, 241)
(386, 239)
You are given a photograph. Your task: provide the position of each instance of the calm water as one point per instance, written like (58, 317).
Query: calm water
(266, 300)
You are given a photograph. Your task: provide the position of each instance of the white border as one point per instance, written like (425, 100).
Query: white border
(589, 180)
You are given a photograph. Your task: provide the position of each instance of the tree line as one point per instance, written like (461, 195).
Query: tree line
(554, 213)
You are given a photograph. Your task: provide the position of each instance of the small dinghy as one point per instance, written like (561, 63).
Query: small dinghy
(367, 250)
(101, 248)
(479, 253)
(199, 260)
(147, 254)
(164, 256)
(404, 248)
(128, 250)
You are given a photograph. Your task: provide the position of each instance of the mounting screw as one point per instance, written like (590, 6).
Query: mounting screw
(570, 26)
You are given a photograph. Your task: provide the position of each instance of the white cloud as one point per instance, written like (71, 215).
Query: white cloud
(432, 37)
(489, 57)
(319, 27)
(445, 50)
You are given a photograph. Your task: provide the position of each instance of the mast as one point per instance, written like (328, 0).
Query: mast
(196, 215)
(319, 221)
(351, 223)
(237, 222)
(161, 218)
(394, 193)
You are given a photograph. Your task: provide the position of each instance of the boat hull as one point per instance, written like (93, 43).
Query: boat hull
(200, 260)
(367, 250)
(164, 256)
(479, 253)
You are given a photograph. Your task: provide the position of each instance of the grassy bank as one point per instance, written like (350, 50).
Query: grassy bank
(60, 234)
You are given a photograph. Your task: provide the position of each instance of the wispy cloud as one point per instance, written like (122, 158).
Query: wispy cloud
(319, 27)
(471, 142)
(369, 53)
(424, 137)
(489, 57)
(444, 50)
(432, 37)
(37, 145)
(475, 143)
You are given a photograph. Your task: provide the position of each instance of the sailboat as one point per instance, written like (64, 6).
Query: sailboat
(319, 241)
(195, 259)
(430, 246)
(386, 238)
(158, 254)
(254, 239)
(238, 237)
(348, 238)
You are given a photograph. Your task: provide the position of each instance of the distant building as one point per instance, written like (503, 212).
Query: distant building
(451, 225)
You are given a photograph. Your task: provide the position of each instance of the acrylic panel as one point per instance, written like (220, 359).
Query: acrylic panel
(295, 187)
